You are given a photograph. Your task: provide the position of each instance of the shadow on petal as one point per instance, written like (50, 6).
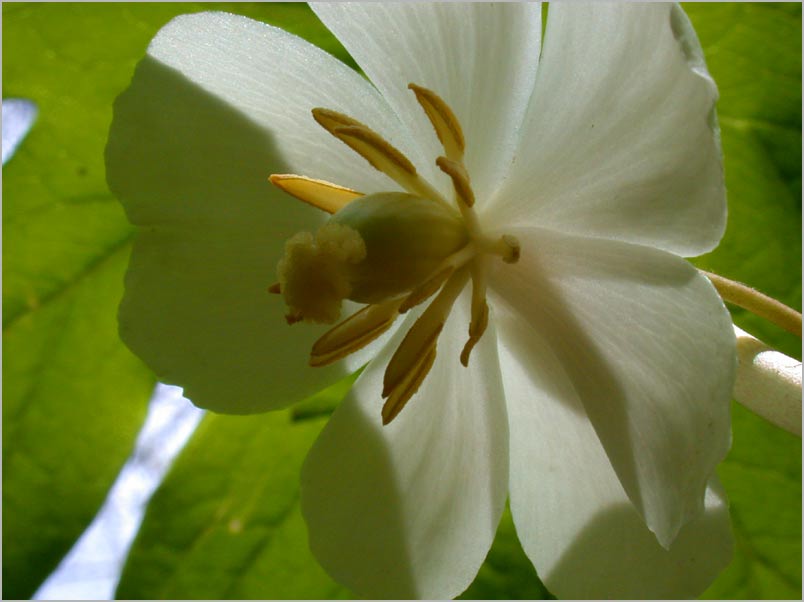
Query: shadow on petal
(584, 365)
(192, 173)
(616, 557)
(357, 534)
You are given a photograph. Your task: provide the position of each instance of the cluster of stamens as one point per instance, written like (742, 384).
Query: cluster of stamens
(416, 353)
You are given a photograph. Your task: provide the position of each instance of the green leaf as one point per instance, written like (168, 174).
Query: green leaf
(226, 523)
(74, 397)
(762, 476)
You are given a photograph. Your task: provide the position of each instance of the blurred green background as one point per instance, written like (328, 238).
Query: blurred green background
(74, 397)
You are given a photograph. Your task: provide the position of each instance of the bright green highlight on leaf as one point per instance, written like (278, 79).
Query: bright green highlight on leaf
(226, 522)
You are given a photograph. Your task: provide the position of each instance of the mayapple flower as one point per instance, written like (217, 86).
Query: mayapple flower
(495, 227)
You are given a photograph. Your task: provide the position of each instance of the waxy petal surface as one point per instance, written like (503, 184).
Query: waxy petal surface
(648, 347)
(572, 516)
(409, 510)
(620, 140)
(207, 119)
(479, 58)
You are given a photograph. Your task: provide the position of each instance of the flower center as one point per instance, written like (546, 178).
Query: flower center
(391, 251)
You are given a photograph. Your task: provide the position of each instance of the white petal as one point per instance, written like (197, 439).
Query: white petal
(620, 140)
(648, 346)
(480, 58)
(572, 516)
(410, 510)
(219, 103)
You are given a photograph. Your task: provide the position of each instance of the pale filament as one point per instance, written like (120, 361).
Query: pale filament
(416, 353)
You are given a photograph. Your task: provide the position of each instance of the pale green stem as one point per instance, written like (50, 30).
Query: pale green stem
(763, 306)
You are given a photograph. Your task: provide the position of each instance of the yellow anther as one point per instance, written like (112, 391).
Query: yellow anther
(418, 342)
(318, 193)
(354, 333)
(480, 320)
(480, 309)
(329, 119)
(380, 153)
(423, 334)
(400, 396)
(375, 149)
(446, 125)
(460, 180)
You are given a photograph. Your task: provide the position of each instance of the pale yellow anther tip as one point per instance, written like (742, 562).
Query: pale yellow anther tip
(446, 124)
(399, 397)
(460, 179)
(328, 119)
(320, 194)
(374, 149)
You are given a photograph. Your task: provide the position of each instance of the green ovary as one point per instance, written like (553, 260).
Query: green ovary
(406, 237)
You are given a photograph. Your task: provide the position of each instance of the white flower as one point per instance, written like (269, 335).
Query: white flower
(598, 396)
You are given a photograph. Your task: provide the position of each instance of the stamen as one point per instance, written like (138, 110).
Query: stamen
(446, 125)
(318, 193)
(480, 308)
(460, 180)
(422, 337)
(394, 404)
(477, 327)
(329, 119)
(387, 159)
(354, 333)
(374, 149)
(417, 343)
(463, 191)
(380, 153)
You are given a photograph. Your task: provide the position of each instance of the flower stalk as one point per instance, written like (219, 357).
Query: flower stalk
(757, 303)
